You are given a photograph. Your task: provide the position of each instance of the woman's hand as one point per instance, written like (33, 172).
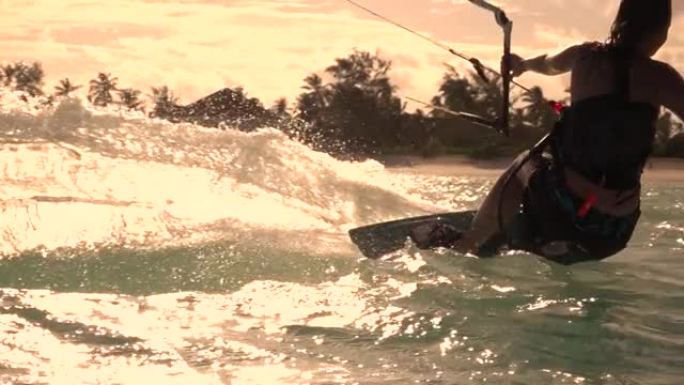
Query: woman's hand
(518, 65)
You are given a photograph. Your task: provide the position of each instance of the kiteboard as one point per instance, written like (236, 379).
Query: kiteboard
(426, 232)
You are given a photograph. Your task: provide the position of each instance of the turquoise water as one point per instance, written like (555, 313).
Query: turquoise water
(138, 252)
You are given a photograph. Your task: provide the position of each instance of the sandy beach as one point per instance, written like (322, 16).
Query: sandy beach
(657, 169)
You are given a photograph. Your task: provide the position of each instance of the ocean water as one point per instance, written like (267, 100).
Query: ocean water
(137, 251)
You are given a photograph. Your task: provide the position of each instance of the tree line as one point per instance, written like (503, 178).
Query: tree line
(351, 109)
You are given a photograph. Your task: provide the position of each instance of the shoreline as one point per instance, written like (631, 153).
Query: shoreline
(656, 170)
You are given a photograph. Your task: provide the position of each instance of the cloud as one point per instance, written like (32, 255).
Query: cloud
(107, 34)
(198, 46)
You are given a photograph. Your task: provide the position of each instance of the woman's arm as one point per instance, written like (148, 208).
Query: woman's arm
(550, 65)
(671, 90)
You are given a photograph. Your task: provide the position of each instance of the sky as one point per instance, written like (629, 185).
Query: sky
(269, 46)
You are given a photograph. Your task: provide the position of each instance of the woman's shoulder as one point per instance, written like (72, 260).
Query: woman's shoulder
(591, 50)
(666, 79)
(657, 71)
(592, 47)
(663, 68)
(656, 81)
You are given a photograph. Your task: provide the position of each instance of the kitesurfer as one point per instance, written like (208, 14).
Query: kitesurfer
(579, 199)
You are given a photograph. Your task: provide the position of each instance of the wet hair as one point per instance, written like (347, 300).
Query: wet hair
(638, 18)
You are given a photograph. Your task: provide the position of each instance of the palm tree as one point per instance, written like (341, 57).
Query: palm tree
(28, 78)
(8, 72)
(665, 129)
(314, 84)
(311, 103)
(100, 93)
(538, 112)
(456, 93)
(130, 98)
(65, 87)
(164, 101)
(280, 107)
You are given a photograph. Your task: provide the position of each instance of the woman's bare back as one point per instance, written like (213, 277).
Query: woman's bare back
(651, 81)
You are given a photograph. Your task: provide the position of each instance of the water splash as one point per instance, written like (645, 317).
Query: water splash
(81, 177)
